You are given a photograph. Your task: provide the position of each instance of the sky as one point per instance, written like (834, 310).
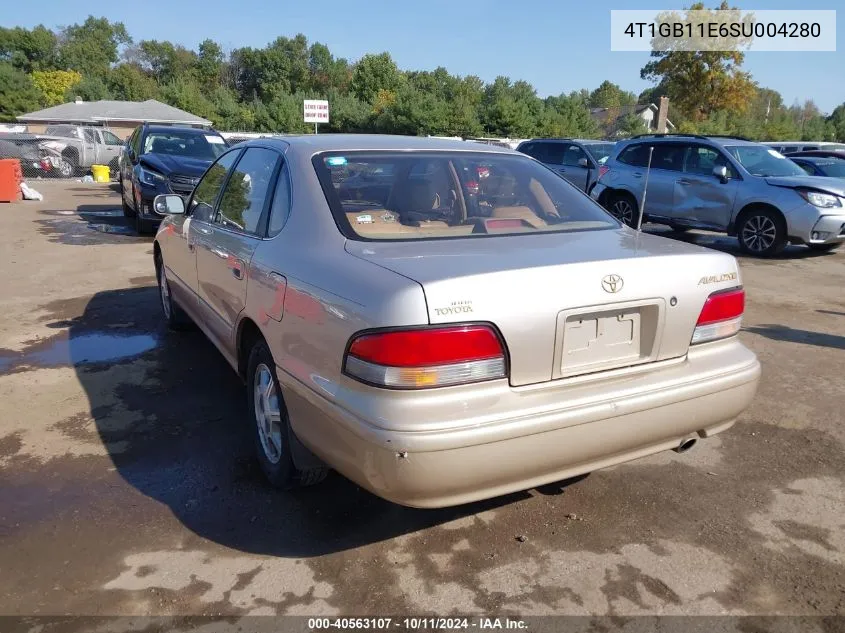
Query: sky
(556, 45)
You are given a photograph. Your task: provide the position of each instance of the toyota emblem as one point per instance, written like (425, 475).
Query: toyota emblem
(612, 283)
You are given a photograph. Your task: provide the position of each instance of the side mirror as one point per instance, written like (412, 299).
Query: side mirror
(721, 172)
(583, 162)
(131, 153)
(169, 204)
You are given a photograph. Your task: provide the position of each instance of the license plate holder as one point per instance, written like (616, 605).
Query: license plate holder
(605, 337)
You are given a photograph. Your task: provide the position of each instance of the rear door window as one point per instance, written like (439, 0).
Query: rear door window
(572, 154)
(701, 160)
(451, 194)
(634, 155)
(669, 156)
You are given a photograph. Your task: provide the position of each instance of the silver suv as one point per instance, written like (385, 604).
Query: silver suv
(725, 184)
(578, 161)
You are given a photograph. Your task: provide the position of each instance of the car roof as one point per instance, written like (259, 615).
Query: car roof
(818, 160)
(314, 143)
(687, 138)
(585, 141)
(177, 128)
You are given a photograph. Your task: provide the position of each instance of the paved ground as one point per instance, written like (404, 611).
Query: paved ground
(127, 486)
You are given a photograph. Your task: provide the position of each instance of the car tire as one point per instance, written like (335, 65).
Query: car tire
(128, 212)
(761, 232)
(270, 426)
(174, 316)
(142, 226)
(623, 206)
(65, 169)
(823, 248)
(72, 159)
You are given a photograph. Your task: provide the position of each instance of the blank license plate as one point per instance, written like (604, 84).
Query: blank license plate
(600, 340)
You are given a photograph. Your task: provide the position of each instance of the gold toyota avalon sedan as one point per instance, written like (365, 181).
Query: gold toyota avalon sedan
(442, 321)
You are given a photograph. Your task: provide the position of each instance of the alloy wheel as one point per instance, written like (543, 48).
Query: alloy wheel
(268, 416)
(759, 233)
(623, 210)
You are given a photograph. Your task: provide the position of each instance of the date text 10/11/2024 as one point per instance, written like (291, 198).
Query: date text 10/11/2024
(417, 623)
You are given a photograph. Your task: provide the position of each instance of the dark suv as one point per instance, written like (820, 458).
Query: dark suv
(163, 159)
(726, 184)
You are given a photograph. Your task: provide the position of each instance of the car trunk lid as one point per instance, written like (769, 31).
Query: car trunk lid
(567, 304)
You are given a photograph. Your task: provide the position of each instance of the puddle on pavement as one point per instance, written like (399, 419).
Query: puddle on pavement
(79, 350)
(118, 229)
(111, 213)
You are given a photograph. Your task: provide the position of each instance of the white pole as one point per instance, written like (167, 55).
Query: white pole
(315, 127)
(645, 189)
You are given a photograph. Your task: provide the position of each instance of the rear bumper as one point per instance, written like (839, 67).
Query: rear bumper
(556, 432)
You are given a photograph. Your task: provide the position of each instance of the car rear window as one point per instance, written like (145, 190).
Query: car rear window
(429, 195)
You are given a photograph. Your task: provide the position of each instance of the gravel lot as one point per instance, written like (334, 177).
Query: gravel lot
(127, 485)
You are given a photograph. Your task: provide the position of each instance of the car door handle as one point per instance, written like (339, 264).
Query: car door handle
(684, 182)
(637, 175)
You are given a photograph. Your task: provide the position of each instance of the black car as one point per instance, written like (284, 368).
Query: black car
(163, 159)
(818, 166)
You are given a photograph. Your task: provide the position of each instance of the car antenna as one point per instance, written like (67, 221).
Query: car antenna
(645, 190)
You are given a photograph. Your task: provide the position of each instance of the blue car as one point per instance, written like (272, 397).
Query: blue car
(159, 159)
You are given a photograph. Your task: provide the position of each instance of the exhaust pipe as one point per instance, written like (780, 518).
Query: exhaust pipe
(685, 445)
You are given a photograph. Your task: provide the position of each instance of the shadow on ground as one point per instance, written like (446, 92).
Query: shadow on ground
(728, 244)
(191, 449)
(792, 335)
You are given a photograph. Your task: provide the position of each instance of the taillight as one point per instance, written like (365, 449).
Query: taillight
(426, 357)
(603, 170)
(721, 316)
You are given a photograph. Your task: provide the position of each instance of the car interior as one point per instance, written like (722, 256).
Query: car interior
(438, 197)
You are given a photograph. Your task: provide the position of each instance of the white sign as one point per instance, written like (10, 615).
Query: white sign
(316, 111)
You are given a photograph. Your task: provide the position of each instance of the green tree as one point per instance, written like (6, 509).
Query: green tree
(18, 95)
(92, 47)
(91, 88)
(28, 50)
(610, 95)
(373, 73)
(186, 94)
(630, 125)
(165, 61)
(568, 115)
(348, 113)
(54, 84)
(327, 73)
(209, 64)
(510, 109)
(837, 120)
(129, 82)
(701, 82)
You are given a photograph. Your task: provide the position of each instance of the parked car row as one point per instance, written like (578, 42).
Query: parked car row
(725, 184)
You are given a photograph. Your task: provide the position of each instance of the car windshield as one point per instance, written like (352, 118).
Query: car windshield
(192, 145)
(419, 195)
(600, 151)
(834, 167)
(760, 160)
